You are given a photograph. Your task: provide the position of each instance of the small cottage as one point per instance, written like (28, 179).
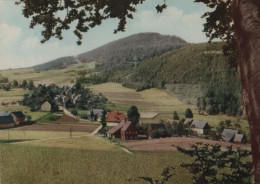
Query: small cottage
(228, 135)
(18, 117)
(153, 127)
(200, 127)
(114, 118)
(129, 131)
(6, 120)
(46, 106)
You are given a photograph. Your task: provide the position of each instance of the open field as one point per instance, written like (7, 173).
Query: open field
(78, 141)
(25, 135)
(20, 165)
(59, 77)
(170, 144)
(157, 100)
(58, 127)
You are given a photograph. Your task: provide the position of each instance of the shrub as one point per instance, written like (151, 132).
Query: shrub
(74, 112)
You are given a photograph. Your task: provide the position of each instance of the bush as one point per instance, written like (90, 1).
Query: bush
(74, 112)
(159, 133)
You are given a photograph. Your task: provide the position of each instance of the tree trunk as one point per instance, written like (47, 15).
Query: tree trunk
(246, 15)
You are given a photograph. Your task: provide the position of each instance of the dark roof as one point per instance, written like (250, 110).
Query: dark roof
(18, 114)
(157, 126)
(116, 128)
(6, 118)
(126, 125)
(229, 134)
(199, 124)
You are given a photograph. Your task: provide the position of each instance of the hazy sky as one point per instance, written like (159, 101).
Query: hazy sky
(21, 47)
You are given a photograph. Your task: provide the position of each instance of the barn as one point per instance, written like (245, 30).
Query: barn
(115, 131)
(129, 131)
(6, 120)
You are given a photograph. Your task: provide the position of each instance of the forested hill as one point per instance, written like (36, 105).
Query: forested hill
(121, 53)
(187, 65)
(56, 64)
(132, 49)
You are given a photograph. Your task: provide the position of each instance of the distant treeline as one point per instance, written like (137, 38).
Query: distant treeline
(56, 64)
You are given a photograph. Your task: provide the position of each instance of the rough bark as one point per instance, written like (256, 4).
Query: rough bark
(246, 15)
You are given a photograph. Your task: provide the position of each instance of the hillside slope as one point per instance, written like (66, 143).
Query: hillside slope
(132, 49)
(121, 53)
(187, 65)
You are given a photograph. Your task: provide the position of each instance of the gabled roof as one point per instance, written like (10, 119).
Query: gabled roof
(115, 116)
(239, 137)
(116, 128)
(5, 118)
(157, 126)
(199, 124)
(46, 102)
(126, 125)
(18, 114)
(228, 134)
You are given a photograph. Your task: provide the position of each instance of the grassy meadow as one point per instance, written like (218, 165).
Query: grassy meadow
(20, 165)
(59, 77)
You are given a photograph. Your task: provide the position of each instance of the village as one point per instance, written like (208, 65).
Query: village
(118, 125)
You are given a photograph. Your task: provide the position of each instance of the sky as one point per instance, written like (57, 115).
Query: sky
(20, 46)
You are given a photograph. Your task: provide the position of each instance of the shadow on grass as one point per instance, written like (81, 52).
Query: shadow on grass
(14, 141)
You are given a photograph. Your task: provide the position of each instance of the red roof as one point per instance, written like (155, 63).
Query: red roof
(116, 128)
(126, 125)
(115, 116)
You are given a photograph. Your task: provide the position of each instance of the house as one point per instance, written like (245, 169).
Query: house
(46, 106)
(18, 117)
(153, 127)
(188, 121)
(115, 131)
(6, 120)
(114, 118)
(240, 138)
(200, 127)
(129, 131)
(98, 113)
(228, 135)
